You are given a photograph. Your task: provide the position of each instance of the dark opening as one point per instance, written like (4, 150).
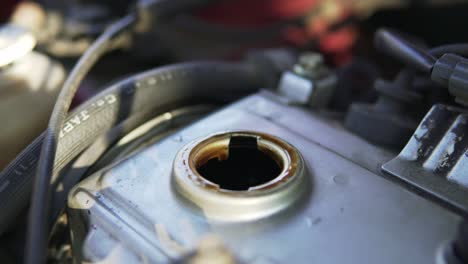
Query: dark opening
(246, 166)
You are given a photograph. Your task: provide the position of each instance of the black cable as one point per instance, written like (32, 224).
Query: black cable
(406, 76)
(457, 48)
(38, 215)
(396, 46)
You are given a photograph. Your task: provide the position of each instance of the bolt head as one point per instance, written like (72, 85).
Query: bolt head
(309, 64)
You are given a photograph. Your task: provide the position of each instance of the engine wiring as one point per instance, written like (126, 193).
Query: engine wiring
(38, 217)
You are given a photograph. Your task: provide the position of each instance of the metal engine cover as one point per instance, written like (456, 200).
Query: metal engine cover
(131, 212)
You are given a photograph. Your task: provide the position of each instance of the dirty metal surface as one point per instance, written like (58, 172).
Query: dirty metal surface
(435, 160)
(130, 213)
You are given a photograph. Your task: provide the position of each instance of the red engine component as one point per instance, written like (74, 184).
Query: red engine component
(318, 16)
(256, 13)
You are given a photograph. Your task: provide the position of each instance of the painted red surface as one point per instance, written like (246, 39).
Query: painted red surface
(256, 12)
(251, 14)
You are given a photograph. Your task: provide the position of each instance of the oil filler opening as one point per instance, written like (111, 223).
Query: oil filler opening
(239, 175)
(240, 166)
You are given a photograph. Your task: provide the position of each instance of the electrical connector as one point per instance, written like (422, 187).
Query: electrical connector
(451, 71)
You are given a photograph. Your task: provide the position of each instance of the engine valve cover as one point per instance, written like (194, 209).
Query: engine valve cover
(273, 183)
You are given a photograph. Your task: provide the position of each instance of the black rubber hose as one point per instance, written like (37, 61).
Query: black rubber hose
(406, 76)
(396, 46)
(458, 48)
(154, 91)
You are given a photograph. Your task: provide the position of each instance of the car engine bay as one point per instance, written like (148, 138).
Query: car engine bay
(234, 131)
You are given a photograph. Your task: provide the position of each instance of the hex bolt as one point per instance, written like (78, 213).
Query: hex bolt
(310, 64)
(310, 83)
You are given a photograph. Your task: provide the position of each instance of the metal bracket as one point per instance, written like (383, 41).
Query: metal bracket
(435, 160)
